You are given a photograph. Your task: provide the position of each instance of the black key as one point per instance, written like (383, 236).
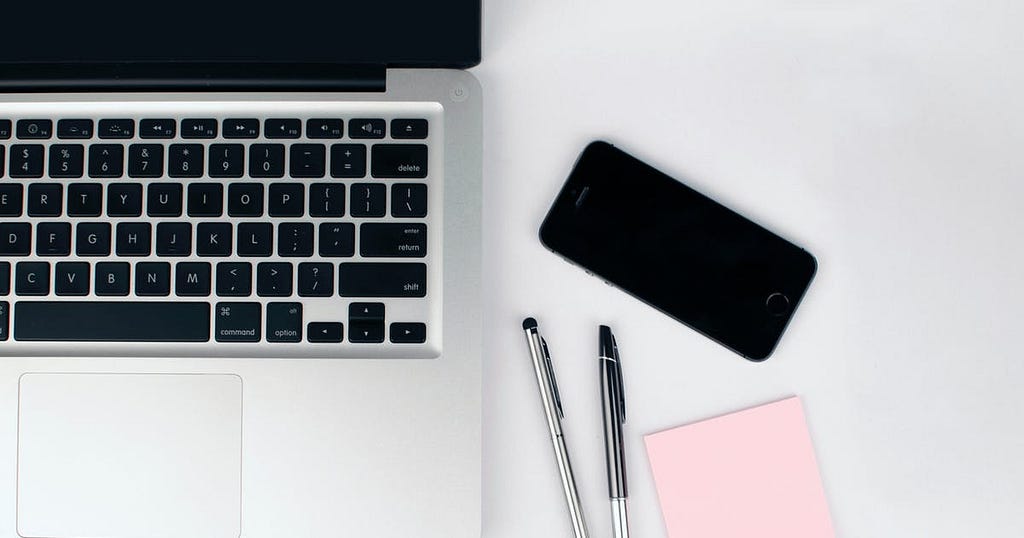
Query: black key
(26, 160)
(404, 128)
(67, 160)
(106, 160)
(282, 128)
(238, 322)
(308, 160)
(266, 160)
(45, 199)
(116, 129)
(284, 322)
(165, 128)
(134, 238)
(5, 278)
(399, 160)
(227, 160)
(53, 239)
(15, 238)
(153, 279)
(199, 128)
(5, 129)
(124, 200)
(408, 333)
(95, 321)
(274, 279)
(366, 128)
(85, 199)
(192, 279)
(71, 278)
(163, 200)
(5, 309)
(393, 240)
(366, 323)
(74, 129)
(241, 128)
(185, 160)
(213, 239)
(205, 200)
(255, 238)
(35, 129)
(112, 278)
(145, 160)
(366, 311)
(245, 200)
(320, 128)
(337, 239)
(174, 239)
(32, 278)
(368, 199)
(382, 280)
(286, 200)
(92, 239)
(3, 160)
(295, 239)
(326, 200)
(316, 279)
(234, 279)
(11, 199)
(348, 160)
(324, 332)
(409, 200)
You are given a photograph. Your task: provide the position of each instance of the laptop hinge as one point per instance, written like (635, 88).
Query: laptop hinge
(226, 77)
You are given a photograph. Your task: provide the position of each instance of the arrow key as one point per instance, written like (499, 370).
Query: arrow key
(366, 323)
(324, 332)
(408, 333)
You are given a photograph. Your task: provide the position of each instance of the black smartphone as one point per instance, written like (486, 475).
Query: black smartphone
(678, 250)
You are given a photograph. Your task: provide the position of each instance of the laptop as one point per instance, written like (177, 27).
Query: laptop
(240, 269)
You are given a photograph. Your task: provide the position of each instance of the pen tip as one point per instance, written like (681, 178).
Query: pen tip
(529, 323)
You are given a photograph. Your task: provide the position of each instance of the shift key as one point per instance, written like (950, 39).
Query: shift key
(382, 280)
(399, 161)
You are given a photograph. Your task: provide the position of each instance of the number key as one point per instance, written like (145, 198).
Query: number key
(106, 160)
(185, 160)
(266, 160)
(66, 160)
(27, 160)
(145, 160)
(227, 160)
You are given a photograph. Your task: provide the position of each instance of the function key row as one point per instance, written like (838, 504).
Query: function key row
(198, 128)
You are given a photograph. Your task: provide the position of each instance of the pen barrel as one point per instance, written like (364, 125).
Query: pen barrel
(613, 442)
(572, 496)
(620, 519)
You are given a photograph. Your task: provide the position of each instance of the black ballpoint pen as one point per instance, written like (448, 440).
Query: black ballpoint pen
(613, 403)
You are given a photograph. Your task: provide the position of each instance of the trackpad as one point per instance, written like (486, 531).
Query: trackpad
(129, 455)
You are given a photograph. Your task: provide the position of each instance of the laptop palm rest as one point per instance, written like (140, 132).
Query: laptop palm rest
(129, 455)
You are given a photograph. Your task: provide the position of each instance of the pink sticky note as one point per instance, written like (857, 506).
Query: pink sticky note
(745, 475)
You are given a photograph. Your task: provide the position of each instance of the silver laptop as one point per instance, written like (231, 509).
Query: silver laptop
(240, 270)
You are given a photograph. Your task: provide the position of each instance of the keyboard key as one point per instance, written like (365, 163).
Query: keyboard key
(337, 239)
(163, 200)
(213, 239)
(238, 322)
(366, 323)
(408, 333)
(145, 160)
(5, 129)
(174, 239)
(5, 314)
(295, 239)
(45, 199)
(88, 321)
(255, 239)
(106, 160)
(15, 238)
(53, 239)
(286, 200)
(319, 128)
(192, 279)
(116, 129)
(227, 160)
(348, 160)
(3, 160)
(26, 161)
(71, 278)
(408, 129)
(163, 128)
(368, 200)
(282, 128)
(32, 278)
(35, 129)
(11, 199)
(408, 200)
(245, 200)
(134, 238)
(366, 128)
(198, 128)
(266, 160)
(124, 200)
(316, 279)
(320, 332)
(326, 200)
(392, 240)
(185, 160)
(284, 322)
(234, 279)
(399, 161)
(241, 128)
(308, 160)
(274, 279)
(153, 279)
(205, 200)
(5, 278)
(67, 160)
(92, 239)
(382, 280)
(112, 278)
(85, 199)
(74, 129)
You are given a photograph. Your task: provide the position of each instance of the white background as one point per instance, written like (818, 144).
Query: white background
(886, 137)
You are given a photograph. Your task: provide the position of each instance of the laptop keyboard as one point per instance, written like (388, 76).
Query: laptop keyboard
(211, 228)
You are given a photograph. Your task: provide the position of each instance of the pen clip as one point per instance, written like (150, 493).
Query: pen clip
(551, 377)
(618, 375)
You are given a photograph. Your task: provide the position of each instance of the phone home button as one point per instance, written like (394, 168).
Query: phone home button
(777, 304)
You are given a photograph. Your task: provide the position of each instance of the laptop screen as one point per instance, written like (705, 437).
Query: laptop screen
(397, 33)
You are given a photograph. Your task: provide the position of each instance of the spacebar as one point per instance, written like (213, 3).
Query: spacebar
(79, 321)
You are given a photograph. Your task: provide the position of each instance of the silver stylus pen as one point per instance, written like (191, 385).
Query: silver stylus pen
(553, 411)
(613, 403)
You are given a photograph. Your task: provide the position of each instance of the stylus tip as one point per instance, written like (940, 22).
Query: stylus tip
(529, 323)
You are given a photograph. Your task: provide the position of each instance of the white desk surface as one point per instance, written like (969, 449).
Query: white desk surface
(886, 137)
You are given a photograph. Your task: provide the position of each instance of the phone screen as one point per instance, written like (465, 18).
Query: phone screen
(678, 250)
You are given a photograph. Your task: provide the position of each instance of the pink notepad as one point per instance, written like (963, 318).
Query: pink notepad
(745, 475)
